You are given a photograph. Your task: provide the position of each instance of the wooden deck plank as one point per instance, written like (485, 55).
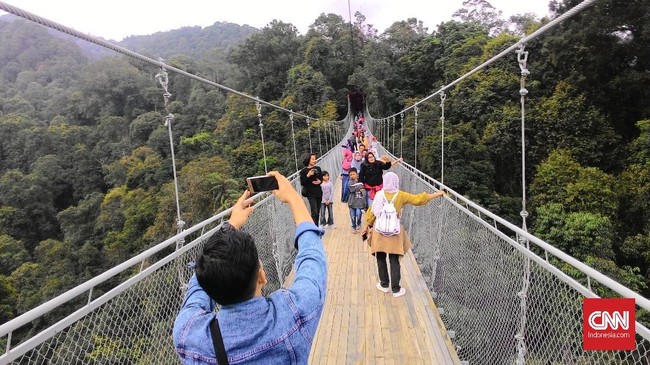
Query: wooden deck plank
(362, 325)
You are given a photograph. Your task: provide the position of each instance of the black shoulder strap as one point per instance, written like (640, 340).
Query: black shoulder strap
(217, 342)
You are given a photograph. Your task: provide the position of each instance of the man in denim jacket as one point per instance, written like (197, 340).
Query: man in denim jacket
(278, 329)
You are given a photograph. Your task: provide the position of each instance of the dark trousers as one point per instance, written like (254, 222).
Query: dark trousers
(382, 268)
(327, 214)
(314, 208)
(345, 189)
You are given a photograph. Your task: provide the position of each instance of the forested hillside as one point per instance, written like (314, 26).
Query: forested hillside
(85, 169)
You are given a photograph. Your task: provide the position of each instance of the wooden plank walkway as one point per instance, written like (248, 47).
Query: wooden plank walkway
(362, 325)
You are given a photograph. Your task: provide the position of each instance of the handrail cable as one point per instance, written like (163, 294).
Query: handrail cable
(100, 42)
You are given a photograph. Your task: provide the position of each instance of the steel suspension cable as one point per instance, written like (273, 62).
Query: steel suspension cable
(259, 116)
(392, 150)
(327, 137)
(163, 79)
(522, 59)
(386, 129)
(293, 137)
(415, 164)
(309, 135)
(443, 96)
(401, 136)
(320, 143)
(378, 128)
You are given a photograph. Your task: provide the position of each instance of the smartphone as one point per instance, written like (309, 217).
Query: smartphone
(364, 236)
(258, 184)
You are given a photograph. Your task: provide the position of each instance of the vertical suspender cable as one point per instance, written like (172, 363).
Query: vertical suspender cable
(415, 164)
(325, 132)
(378, 128)
(522, 59)
(443, 96)
(328, 136)
(393, 136)
(386, 131)
(259, 116)
(387, 141)
(320, 143)
(309, 135)
(401, 136)
(293, 137)
(163, 78)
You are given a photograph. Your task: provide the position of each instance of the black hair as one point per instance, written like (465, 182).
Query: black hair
(323, 173)
(352, 169)
(227, 268)
(305, 161)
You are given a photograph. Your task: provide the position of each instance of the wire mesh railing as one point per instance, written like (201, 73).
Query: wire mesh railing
(125, 315)
(474, 265)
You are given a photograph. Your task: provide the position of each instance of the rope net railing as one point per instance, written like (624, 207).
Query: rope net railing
(125, 315)
(473, 263)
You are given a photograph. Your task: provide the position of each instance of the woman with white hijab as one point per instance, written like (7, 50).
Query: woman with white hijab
(392, 246)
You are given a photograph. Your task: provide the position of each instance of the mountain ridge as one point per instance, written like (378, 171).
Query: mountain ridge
(192, 41)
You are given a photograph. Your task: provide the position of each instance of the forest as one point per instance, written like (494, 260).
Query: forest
(85, 168)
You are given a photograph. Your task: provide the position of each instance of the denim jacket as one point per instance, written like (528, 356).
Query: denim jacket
(278, 329)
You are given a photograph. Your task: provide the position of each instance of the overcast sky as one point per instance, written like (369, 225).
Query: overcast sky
(117, 19)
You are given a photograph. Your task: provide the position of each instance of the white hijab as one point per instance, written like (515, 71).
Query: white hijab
(391, 185)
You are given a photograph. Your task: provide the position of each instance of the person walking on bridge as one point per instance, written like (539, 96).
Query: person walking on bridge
(251, 328)
(311, 178)
(371, 173)
(394, 246)
(346, 164)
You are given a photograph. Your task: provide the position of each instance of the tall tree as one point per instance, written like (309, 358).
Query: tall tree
(483, 13)
(308, 89)
(265, 58)
(616, 80)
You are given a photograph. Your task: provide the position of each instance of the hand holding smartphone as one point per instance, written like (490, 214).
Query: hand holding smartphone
(258, 184)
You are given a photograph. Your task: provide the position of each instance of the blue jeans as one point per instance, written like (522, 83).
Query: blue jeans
(355, 217)
(346, 189)
(368, 200)
(329, 218)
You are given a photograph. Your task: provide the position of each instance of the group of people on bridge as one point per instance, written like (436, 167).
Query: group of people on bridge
(279, 328)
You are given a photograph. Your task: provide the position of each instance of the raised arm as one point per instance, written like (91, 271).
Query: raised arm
(310, 283)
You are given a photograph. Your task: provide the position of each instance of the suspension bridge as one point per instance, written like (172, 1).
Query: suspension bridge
(480, 290)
